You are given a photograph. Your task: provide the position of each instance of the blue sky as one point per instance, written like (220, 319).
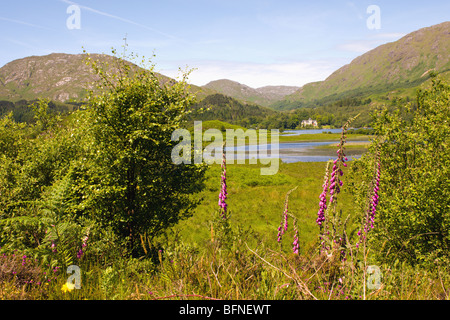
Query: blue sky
(255, 42)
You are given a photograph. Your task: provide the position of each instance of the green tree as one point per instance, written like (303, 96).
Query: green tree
(34, 197)
(130, 182)
(106, 168)
(412, 222)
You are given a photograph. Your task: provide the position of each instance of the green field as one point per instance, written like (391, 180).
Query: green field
(194, 266)
(100, 190)
(256, 202)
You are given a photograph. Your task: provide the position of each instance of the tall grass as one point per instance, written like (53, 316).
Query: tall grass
(190, 262)
(239, 273)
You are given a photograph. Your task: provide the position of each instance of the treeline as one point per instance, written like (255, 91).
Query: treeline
(22, 112)
(327, 112)
(224, 108)
(329, 117)
(227, 109)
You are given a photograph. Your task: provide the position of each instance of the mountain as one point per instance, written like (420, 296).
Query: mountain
(65, 78)
(404, 63)
(276, 93)
(384, 73)
(59, 77)
(263, 96)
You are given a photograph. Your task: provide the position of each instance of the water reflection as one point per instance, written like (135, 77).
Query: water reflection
(309, 131)
(298, 151)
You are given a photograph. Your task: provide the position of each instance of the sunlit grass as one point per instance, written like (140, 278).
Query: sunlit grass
(257, 202)
(192, 265)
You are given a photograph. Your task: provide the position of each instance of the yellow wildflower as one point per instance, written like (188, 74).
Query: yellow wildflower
(67, 287)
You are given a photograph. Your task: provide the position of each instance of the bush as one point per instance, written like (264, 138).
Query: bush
(413, 216)
(106, 168)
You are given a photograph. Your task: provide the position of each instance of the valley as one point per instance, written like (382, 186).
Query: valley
(387, 75)
(104, 172)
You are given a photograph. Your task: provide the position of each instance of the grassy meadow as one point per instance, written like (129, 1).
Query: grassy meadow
(102, 194)
(192, 264)
(257, 202)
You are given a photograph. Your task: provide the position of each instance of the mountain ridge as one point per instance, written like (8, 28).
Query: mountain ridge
(405, 63)
(264, 96)
(28, 78)
(401, 63)
(60, 77)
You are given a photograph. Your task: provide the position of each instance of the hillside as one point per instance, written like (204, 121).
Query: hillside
(263, 96)
(404, 63)
(59, 77)
(224, 108)
(390, 73)
(65, 78)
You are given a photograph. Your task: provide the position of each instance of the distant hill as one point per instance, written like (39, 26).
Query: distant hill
(263, 96)
(224, 108)
(59, 77)
(404, 63)
(65, 78)
(389, 73)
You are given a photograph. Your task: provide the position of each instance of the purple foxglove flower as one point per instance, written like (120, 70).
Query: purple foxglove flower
(223, 192)
(295, 244)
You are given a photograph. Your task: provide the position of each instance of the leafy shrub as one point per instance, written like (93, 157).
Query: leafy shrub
(413, 220)
(107, 165)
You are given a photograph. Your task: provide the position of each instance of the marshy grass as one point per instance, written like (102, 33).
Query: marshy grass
(350, 145)
(192, 262)
(239, 272)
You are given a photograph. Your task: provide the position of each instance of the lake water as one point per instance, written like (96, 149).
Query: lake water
(290, 152)
(309, 131)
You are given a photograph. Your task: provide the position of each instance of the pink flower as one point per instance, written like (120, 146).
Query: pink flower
(323, 198)
(373, 203)
(223, 192)
(280, 234)
(284, 223)
(295, 244)
(286, 218)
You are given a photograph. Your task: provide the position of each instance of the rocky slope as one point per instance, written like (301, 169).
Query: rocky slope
(403, 63)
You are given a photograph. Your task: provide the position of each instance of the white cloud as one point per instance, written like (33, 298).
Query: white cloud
(360, 46)
(257, 75)
(364, 45)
